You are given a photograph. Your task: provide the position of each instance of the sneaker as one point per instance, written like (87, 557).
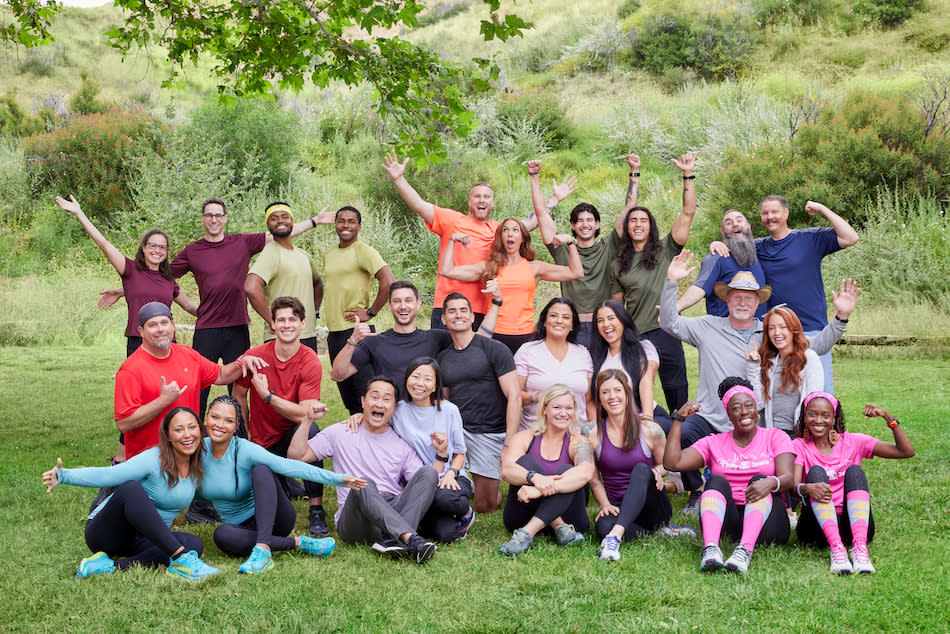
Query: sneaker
(321, 547)
(421, 549)
(202, 513)
(792, 520)
(609, 548)
(98, 564)
(295, 490)
(259, 561)
(519, 543)
(675, 530)
(318, 522)
(466, 523)
(391, 547)
(839, 562)
(739, 561)
(712, 559)
(567, 536)
(692, 504)
(861, 560)
(189, 566)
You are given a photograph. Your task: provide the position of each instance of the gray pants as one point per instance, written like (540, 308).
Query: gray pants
(369, 515)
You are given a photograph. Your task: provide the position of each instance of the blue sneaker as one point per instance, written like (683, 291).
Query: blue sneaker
(189, 566)
(259, 561)
(319, 546)
(99, 564)
(466, 523)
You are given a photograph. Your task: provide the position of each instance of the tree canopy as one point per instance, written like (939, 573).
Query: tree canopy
(259, 45)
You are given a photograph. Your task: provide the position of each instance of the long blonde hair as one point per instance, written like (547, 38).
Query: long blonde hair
(540, 424)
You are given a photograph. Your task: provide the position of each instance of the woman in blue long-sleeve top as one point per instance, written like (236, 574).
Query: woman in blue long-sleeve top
(239, 480)
(152, 487)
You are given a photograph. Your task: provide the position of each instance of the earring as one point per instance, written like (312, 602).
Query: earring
(833, 437)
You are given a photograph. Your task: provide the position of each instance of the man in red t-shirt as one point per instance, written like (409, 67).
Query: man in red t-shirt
(477, 225)
(285, 394)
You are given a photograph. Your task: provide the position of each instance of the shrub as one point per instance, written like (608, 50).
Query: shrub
(250, 132)
(597, 50)
(664, 42)
(443, 11)
(628, 8)
(16, 123)
(804, 12)
(90, 157)
(541, 111)
(887, 13)
(723, 46)
(41, 61)
(85, 102)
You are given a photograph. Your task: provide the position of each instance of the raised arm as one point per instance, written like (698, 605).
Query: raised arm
(487, 327)
(410, 196)
(633, 192)
(847, 236)
(901, 447)
(116, 259)
(676, 458)
(464, 272)
(684, 220)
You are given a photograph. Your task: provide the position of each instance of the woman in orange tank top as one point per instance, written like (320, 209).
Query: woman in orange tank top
(512, 264)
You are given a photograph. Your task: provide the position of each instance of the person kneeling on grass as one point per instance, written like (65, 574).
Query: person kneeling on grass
(383, 513)
(751, 467)
(836, 505)
(239, 480)
(547, 467)
(152, 488)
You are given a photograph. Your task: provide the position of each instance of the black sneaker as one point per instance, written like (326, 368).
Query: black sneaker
(692, 504)
(202, 513)
(318, 522)
(421, 549)
(391, 547)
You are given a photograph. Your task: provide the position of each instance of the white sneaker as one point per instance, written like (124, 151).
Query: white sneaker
(739, 561)
(712, 559)
(839, 562)
(609, 548)
(861, 561)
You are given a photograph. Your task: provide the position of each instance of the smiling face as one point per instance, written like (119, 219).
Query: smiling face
(609, 326)
(457, 315)
(743, 412)
(779, 333)
(347, 226)
(613, 397)
(184, 434)
(420, 384)
(157, 334)
(735, 224)
(481, 201)
(221, 422)
(155, 248)
(280, 224)
(215, 219)
(287, 325)
(559, 412)
(742, 306)
(511, 237)
(586, 227)
(559, 321)
(379, 404)
(774, 217)
(819, 418)
(404, 305)
(638, 228)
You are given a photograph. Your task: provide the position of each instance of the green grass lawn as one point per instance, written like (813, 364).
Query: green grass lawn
(58, 403)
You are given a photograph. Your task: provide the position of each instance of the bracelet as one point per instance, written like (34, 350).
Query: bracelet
(441, 458)
(369, 311)
(453, 470)
(844, 321)
(778, 484)
(316, 314)
(488, 332)
(893, 423)
(497, 302)
(637, 174)
(350, 342)
(270, 395)
(690, 177)
(313, 222)
(677, 416)
(799, 489)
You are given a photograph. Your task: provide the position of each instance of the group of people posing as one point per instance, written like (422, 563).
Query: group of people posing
(559, 408)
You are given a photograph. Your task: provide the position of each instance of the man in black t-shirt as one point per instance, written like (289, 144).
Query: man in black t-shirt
(480, 375)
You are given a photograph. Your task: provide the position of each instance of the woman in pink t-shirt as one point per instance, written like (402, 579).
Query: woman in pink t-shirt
(751, 466)
(836, 507)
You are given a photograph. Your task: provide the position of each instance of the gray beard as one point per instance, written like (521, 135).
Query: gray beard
(742, 249)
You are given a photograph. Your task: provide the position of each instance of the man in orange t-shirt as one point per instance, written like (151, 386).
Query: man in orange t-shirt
(445, 223)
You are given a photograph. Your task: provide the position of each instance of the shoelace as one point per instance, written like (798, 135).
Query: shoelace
(741, 554)
(839, 556)
(861, 555)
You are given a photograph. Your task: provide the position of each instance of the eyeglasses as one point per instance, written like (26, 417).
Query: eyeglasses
(158, 247)
(213, 216)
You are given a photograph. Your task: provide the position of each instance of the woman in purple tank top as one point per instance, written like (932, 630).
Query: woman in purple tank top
(629, 453)
(548, 467)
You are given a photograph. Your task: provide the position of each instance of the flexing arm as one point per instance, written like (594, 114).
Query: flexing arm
(116, 259)
(410, 196)
(847, 236)
(464, 272)
(558, 273)
(674, 457)
(901, 447)
(299, 448)
(684, 220)
(487, 327)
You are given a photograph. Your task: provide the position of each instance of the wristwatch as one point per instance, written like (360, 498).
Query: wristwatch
(529, 478)
(266, 399)
(893, 423)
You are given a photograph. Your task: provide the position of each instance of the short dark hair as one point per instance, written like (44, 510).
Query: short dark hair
(214, 201)
(359, 216)
(454, 296)
(436, 397)
(775, 197)
(395, 286)
(381, 378)
(292, 303)
(579, 209)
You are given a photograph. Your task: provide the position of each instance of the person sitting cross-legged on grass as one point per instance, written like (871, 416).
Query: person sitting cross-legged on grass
(836, 507)
(547, 467)
(152, 488)
(629, 450)
(751, 467)
(239, 480)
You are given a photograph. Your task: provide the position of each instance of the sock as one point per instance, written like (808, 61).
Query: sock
(828, 521)
(859, 512)
(712, 511)
(754, 519)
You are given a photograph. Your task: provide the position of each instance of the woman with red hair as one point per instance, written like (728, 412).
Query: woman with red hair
(512, 264)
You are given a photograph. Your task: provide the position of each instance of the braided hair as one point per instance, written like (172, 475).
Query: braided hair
(801, 430)
(240, 429)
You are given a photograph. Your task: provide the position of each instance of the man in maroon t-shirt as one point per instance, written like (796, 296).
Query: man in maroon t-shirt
(285, 394)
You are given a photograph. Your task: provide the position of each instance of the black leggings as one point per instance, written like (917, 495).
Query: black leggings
(313, 489)
(441, 521)
(274, 517)
(570, 507)
(809, 531)
(226, 343)
(672, 368)
(128, 526)
(776, 529)
(643, 508)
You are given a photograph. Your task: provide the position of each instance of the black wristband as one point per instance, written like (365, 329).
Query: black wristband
(496, 302)
(441, 458)
(313, 222)
(270, 395)
(690, 177)
(844, 321)
(369, 311)
(529, 477)
(637, 174)
(677, 416)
